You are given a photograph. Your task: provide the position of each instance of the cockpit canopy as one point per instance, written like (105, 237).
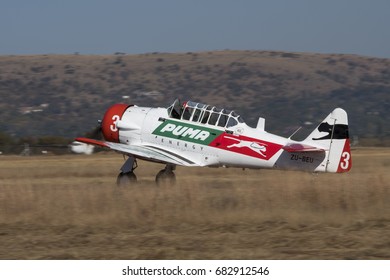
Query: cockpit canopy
(204, 114)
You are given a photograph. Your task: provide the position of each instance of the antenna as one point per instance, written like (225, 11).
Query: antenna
(294, 132)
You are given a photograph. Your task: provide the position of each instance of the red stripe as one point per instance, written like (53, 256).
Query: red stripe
(246, 145)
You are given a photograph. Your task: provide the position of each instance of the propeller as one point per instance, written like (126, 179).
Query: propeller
(96, 133)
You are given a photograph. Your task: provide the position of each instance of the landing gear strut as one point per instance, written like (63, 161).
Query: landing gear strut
(127, 176)
(166, 175)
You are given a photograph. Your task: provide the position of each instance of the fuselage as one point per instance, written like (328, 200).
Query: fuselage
(204, 144)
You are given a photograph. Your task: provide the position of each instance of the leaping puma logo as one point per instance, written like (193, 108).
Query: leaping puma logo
(259, 148)
(340, 131)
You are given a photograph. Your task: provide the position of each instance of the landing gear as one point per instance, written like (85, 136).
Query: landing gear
(127, 176)
(166, 175)
(126, 179)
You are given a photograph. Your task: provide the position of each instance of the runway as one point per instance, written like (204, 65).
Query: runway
(68, 207)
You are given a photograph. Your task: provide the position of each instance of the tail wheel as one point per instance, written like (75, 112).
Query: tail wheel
(126, 179)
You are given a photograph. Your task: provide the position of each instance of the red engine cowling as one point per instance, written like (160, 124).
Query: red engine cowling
(112, 115)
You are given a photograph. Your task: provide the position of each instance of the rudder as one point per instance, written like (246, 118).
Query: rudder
(332, 134)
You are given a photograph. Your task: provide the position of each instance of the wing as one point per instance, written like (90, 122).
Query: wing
(301, 148)
(149, 153)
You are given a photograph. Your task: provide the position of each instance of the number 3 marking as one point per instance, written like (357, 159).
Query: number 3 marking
(345, 157)
(113, 127)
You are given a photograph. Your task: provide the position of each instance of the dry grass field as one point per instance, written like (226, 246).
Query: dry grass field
(68, 207)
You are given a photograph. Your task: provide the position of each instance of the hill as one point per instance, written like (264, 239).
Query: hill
(64, 95)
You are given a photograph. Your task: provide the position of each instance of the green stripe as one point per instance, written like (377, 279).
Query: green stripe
(187, 132)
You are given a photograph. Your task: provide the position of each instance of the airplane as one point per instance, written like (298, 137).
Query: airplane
(196, 134)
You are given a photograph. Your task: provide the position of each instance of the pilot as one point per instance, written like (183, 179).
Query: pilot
(185, 112)
(176, 110)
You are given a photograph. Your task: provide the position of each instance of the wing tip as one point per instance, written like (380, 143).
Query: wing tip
(92, 142)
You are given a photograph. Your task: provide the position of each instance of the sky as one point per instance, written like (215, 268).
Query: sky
(142, 26)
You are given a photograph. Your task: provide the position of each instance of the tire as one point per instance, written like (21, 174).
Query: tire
(165, 177)
(126, 179)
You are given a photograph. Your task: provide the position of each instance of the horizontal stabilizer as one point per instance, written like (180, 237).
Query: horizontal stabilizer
(301, 148)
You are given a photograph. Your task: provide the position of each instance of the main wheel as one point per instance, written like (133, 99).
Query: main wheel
(165, 177)
(126, 179)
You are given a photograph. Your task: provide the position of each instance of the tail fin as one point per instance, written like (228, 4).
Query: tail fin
(332, 134)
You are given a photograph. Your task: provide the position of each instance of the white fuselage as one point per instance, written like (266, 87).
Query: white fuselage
(203, 144)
